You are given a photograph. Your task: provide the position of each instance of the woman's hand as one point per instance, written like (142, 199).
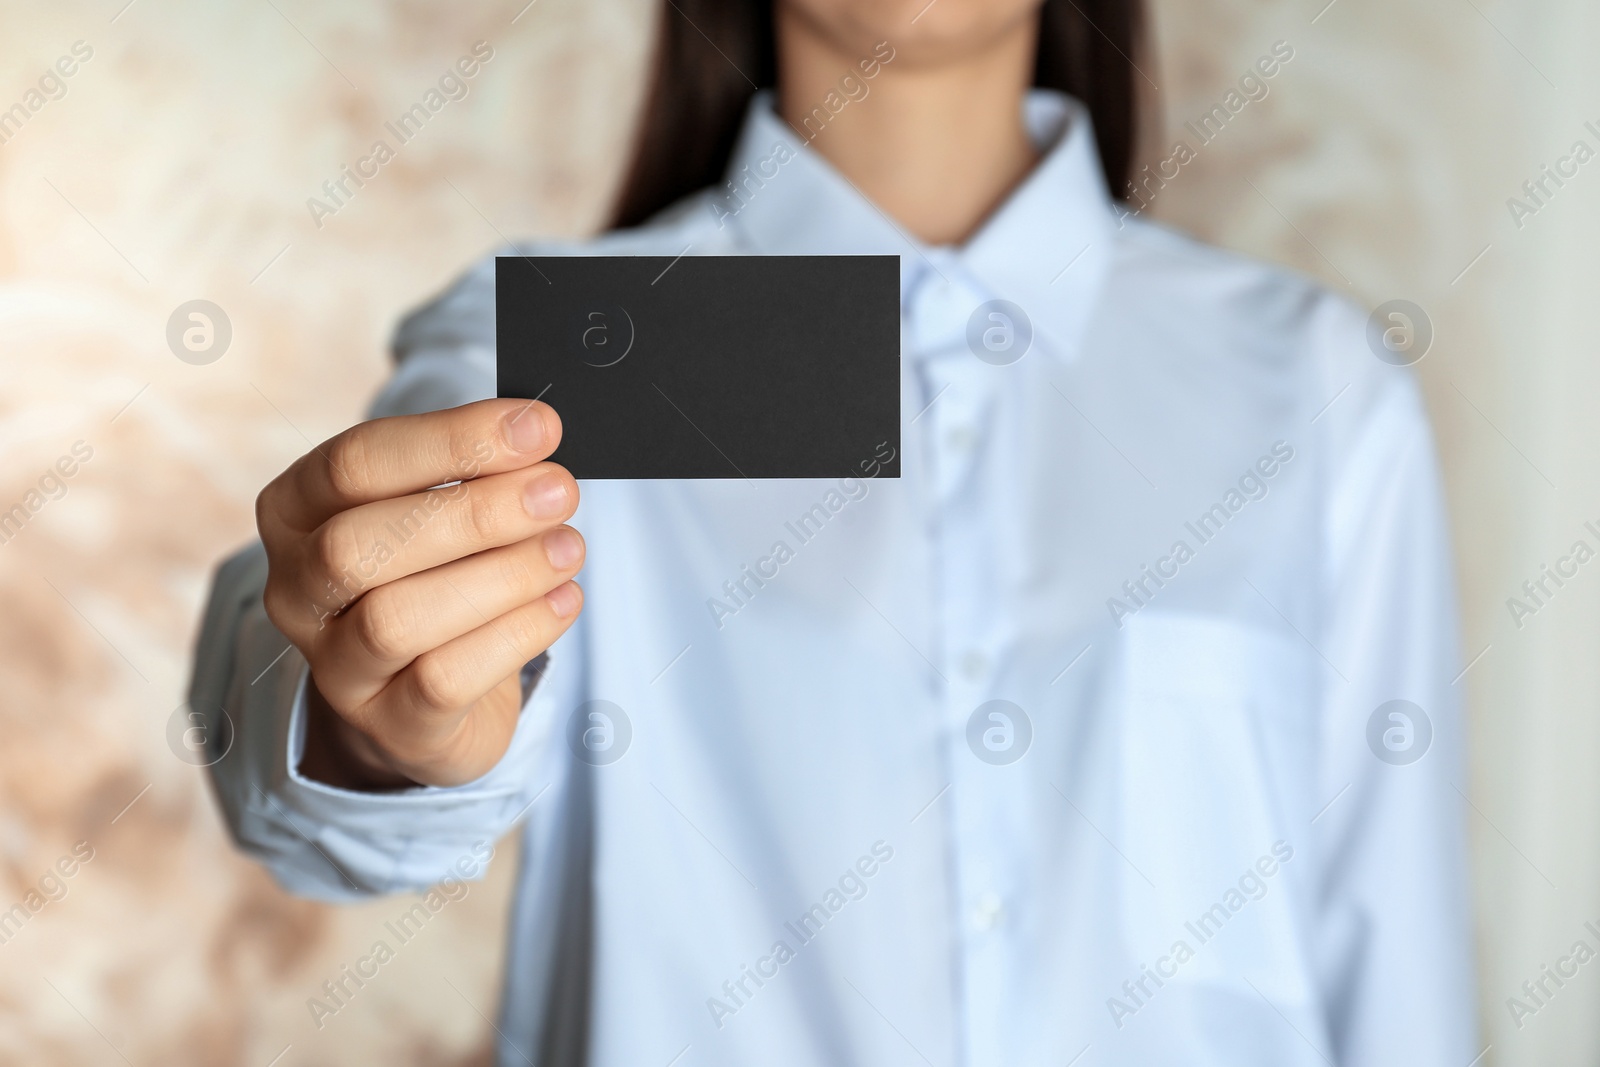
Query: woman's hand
(417, 607)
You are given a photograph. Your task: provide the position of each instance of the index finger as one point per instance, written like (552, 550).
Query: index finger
(403, 454)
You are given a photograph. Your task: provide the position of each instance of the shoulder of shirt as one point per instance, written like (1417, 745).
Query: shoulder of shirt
(463, 314)
(688, 222)
(1270, 329)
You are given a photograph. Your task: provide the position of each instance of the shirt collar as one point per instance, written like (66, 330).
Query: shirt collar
(1046, 249)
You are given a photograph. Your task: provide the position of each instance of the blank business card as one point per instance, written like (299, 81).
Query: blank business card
(707, 366)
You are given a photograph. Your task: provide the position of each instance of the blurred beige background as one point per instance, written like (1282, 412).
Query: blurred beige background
(177, 166)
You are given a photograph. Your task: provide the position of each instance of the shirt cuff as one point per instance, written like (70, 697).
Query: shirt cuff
(295, 741)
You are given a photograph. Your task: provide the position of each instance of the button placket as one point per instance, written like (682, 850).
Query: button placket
(962, 392)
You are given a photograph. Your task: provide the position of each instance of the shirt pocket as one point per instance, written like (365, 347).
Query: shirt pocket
(1217, 736)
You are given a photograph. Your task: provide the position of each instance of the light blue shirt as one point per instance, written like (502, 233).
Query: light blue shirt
(1072, 745)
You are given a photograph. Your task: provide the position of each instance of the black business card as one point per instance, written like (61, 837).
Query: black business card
(707, 366)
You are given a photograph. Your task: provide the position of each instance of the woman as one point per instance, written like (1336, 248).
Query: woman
(1054, 749)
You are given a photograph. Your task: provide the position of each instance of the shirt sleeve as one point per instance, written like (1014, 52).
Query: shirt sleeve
(1394, 924)
(249, 684)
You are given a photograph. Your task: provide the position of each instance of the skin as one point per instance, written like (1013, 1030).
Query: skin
(416, 644)
(939, 141)
(415, 678)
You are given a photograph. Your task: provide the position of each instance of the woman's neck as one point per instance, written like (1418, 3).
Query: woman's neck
(937, 146)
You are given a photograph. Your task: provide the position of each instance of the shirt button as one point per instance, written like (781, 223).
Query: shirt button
(988, 911)
(974, 665)
(961, 439)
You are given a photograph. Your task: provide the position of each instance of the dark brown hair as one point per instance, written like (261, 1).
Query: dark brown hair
(711, 55)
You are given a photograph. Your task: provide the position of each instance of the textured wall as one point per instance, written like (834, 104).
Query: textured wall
(177, 165)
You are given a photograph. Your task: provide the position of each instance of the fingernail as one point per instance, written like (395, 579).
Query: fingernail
(564, 547)
(525, 429)
(563, 599)
(546, 497)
